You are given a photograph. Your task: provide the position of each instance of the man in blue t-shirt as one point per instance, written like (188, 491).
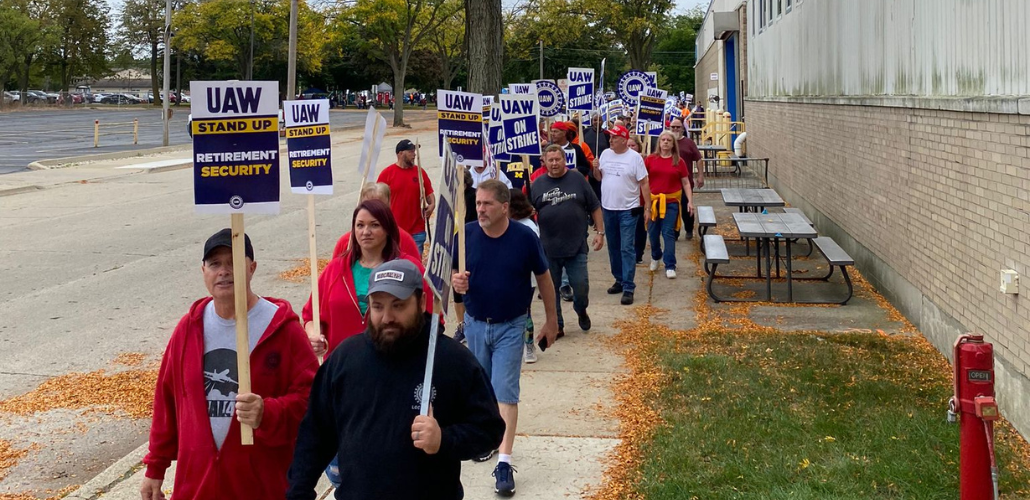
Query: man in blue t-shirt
(500, 259)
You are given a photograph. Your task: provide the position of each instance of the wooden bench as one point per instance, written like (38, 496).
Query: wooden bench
(705, 220)
(715, 253)
(836, 257)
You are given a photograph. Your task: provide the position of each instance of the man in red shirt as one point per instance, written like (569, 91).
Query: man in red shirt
(198, 408)
(406, 195)
(688, 151)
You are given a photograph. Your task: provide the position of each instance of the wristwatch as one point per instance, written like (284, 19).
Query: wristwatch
(600, 232)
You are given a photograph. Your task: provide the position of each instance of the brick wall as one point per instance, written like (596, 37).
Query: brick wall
(941, 197)
(702, 75)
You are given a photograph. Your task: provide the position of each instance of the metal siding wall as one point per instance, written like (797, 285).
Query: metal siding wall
(932, 48)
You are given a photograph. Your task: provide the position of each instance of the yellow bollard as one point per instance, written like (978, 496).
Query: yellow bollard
(96, 133)
(135, 131)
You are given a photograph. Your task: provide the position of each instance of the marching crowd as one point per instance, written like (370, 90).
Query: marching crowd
(356, 417)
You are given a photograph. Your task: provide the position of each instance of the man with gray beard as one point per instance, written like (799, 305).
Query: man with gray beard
(564, 202)
(365, 402)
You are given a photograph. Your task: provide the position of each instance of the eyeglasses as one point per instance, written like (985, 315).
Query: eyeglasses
(675, 127)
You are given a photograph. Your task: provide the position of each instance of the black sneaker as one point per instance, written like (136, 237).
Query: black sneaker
(459, 333)
(561, 333)
(584, 321)
(614, 289)
(627, 298)
(505, 475)
(487, 457)
(566, 292)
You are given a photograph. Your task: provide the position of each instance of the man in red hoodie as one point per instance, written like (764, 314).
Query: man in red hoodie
(197, 410)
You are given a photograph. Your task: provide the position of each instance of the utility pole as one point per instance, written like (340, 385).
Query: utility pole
(541, 59)
(291, 65)
(167, 68)
(250, 68)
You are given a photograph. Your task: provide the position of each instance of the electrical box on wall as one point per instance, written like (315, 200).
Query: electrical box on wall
(1009, 281)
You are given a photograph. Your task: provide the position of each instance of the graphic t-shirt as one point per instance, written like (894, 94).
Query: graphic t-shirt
(620, 179)
(361, 274)
(221, 380)
(563, 206)
(404, 196)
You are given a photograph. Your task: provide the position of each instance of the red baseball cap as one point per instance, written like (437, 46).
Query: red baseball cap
(560, 125)
(618, 130)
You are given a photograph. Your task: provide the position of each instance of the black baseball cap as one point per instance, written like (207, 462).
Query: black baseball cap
(223, 238)
(405, 145)
(398, 277)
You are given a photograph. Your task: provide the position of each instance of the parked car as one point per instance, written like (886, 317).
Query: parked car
(97, 98)
(120, 99)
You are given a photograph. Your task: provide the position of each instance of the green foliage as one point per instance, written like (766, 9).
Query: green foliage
(18, 34)
(674, 56)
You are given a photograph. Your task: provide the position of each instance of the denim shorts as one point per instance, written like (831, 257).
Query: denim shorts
(498, 347)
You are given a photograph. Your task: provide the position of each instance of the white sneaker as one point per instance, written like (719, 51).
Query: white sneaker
(530, 353)
(654, 265)
(670, 273)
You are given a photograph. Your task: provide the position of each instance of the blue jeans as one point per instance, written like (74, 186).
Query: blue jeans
(498, 347)
(420, 242)
(620, 228)
(665, 229)
(332, 473)
(576, 269)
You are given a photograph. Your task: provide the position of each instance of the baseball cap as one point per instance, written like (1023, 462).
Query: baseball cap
(223, 238)
(398, 277)
(405, 145)
(560, 125)
(618, 130)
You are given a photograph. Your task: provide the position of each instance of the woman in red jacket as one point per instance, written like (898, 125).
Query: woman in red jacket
(343, 285)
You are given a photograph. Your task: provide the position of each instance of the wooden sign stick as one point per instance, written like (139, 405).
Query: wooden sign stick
(313, 256)
(239, 278)
(459, 215)
(368, 161)
(422, 204)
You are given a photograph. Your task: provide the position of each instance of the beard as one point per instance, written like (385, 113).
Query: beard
(394, 338)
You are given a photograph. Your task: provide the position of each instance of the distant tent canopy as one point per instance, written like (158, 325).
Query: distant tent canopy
(385, 87)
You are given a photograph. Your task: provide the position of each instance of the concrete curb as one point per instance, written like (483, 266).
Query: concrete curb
(117, 155)
(119, 471)
(19, 190)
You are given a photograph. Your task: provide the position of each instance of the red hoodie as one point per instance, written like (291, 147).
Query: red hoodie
(338, 301)
(282, 368)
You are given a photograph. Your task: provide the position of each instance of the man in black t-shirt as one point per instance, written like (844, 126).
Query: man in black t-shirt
(564, 203)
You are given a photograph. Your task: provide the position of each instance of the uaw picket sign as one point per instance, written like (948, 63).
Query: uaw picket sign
(460, 125)
(488, 102)
(521, 88)
(632, 83)
(651, 105)
(550, 98)
(235, 147)
(441, 252)
(581, 89)
(496, 135)
(309, 146)
(519, 118)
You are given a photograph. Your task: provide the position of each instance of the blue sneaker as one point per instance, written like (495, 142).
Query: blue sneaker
(505, 475)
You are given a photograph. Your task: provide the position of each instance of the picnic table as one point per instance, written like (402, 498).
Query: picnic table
(747, 199)
(766, 228)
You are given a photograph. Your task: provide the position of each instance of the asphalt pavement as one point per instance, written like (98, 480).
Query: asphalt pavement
(28, 136)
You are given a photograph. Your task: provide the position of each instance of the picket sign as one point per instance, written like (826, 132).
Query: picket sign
(441, 258)
(375, 131)
(236, 171)
(421, 189)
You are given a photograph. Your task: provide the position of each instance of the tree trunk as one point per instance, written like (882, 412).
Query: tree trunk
(153, 70)
(398, 95)
(23, 81)
(484, 35)
(445, 70)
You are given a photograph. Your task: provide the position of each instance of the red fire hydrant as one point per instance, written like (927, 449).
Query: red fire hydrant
(974, 401)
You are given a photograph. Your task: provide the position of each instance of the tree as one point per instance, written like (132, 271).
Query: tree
(674, 54)
(447, 43)
(636, 24)
(392, 29)
(81, 44)
(143, 26)
(18, 35)
(217, 34)
(485, 39)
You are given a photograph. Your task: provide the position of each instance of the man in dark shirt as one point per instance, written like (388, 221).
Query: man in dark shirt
(365, 402)
(501, 255)
(564, 203)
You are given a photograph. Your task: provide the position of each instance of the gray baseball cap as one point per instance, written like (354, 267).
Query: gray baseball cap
(399, 278)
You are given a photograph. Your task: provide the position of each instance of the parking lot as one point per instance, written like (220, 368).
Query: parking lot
(28, 136)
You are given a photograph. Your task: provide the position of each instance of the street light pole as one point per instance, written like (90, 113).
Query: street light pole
(167, 68)
(541, 59)
(291, 65)
(250, 68)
